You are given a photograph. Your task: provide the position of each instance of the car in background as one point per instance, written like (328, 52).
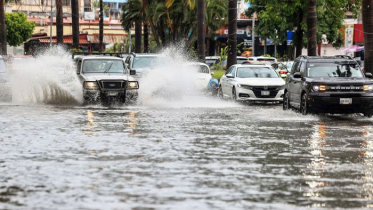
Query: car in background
(211, 60)
(5, 86)
(204, 80)
(268, 60)
(106, 79)
(334, 84)
(245, 82)
(141, 63)
(282, 68)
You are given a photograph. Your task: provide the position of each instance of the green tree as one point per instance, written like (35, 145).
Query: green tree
(132, 13)
(282, 16)
(18, 28)
(367, 13)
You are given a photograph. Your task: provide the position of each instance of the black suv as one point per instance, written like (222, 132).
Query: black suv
(328, 85)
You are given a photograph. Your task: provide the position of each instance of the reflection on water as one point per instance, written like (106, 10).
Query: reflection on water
(188, 158)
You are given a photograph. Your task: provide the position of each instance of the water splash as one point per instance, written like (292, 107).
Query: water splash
(49, 78)
(172, 82)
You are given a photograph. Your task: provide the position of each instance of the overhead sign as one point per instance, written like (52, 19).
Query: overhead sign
(289, 36)
(89, 16)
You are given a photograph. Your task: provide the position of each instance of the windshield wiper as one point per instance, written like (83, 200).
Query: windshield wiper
(106, 71)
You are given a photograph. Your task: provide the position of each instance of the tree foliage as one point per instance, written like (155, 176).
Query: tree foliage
(18, 28)
(279, 16)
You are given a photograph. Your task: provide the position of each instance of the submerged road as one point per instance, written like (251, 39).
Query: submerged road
(149, 157)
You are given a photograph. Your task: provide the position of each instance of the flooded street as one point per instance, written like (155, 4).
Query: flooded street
(206, 155)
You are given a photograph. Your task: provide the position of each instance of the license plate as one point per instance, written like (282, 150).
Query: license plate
(265, 93)
(112, 93)
(345, 101)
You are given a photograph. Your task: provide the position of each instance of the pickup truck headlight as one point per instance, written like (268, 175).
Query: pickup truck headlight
(368, 87)
(91, 85)
(133, 85)
(319, 87)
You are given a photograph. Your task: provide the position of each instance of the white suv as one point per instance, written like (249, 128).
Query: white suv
(251, 83)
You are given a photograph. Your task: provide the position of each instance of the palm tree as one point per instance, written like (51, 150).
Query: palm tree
(216, 16)
(3, 29)
(101, 26)
(131, 13)
(232, 33)
(311, 28)
(367, 14)
(75, 23)
(145, 25)
(59, 21)
(201, 18)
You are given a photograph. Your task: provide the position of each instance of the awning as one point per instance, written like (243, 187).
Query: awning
(65, 40)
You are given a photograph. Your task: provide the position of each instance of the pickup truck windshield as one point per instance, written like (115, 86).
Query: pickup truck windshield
(2, 66)
(103, 66)
(256, 72)
(333, 70)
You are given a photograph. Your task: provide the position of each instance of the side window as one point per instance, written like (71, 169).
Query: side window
(229, 70)
(294, 67)
(302, 69)
(234, 72)
(79, 66)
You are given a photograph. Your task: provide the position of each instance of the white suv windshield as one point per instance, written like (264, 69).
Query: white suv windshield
(103, 66)
(333, 70)
(256, 72)
(144, 62)
(2, 66)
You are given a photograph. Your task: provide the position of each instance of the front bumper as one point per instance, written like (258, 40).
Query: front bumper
(244, 94)
(330, 102)
(98, 95)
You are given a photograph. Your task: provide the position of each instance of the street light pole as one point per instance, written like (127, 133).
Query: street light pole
(253, 36)
(50, 40)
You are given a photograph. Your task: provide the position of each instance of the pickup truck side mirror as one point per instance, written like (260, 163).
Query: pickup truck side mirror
(369, 75)
(297, 75)
(132, 72)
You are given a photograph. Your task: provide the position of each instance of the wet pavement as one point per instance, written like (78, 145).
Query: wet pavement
(209, 157)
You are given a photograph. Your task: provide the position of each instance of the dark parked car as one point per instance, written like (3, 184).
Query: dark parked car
(328, 85)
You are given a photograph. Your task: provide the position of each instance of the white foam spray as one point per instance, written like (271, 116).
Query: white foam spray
(49, 78)
(172, 83)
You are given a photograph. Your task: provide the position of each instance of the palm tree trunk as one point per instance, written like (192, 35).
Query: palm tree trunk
(138, 36)
(299, 34)
(312, 28)
(201, 10)
(75, 23)
(59, 21)
(367, 13)
(232, 32)
(101, 26)
(146, 30)
(3, 29)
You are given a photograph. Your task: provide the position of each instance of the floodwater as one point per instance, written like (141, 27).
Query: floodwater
(232, 157)
(178, 151)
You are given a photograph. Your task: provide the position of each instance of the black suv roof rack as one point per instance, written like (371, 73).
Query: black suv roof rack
(326, 57)
(119, 55)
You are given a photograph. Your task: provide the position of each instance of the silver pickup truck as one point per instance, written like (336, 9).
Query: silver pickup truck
(106, 79)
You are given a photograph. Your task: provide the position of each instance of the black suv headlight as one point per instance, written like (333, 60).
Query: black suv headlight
(91, 85)
(319, 87)
(368, 87)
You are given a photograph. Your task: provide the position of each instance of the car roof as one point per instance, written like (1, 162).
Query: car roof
(94, 57)
(252, 65)
(147, 55)
(197, 63)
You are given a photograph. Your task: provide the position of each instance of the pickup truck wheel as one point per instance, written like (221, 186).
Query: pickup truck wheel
(303, 105)
(286, 102)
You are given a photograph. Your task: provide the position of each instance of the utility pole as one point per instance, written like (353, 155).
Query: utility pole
(101, 25)
(232, 33)
(3, 29)
(253, 36)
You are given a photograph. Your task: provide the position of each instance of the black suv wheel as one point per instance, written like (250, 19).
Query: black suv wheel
(303, 105)
(286, 102)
